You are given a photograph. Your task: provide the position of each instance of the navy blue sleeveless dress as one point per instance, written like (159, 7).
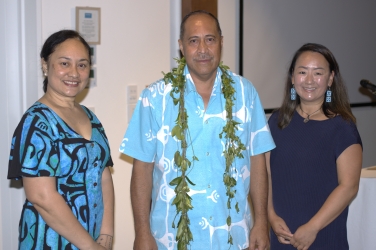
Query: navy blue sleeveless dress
(304, 173)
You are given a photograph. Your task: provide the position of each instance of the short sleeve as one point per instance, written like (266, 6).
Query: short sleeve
(347, 135)
(140, 138)
(110, 163)
(33, 151)
(261, 138)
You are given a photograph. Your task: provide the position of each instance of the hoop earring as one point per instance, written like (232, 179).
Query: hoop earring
(293, 93)
(328, 95)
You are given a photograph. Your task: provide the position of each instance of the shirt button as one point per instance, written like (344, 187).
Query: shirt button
(209, 186)
(95, 204)
(95, 184)
(95, 164)
(206, 122)
(211, 218)
(92, 145)
(207, 153)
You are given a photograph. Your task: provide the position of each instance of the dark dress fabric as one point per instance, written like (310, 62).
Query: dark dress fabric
(44, 145)
(304, 173)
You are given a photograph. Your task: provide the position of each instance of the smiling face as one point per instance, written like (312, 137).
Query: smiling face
(201, 46)
(311, 77)
(67, 69)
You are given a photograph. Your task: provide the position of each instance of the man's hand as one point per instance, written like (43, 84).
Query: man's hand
(259, 238)
(144, 241)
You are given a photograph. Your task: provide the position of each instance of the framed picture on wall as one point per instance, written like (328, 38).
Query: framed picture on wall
(88, 24)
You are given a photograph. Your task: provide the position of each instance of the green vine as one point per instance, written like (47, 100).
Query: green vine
(182, 200)
(233, 149)
(233, 145)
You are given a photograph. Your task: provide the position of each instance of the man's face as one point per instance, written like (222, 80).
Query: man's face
(201, 46)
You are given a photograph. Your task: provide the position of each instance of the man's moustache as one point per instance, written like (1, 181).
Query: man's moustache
(203, 57)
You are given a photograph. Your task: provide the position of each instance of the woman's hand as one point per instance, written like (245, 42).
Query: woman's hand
(304, 236)
(105, 240)
(280, 228)
(97, 247)
(349, 165)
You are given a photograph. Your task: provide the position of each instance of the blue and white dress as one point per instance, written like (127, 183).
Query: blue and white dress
(44, 145)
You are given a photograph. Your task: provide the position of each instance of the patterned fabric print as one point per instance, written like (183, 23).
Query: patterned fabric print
(44, 145)
(148, 139)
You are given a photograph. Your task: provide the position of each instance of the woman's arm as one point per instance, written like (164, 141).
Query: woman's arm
(41, 192)
(107, 229)
(277, 223)
(349, 165)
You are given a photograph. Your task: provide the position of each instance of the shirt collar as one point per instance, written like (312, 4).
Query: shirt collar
(190, 86)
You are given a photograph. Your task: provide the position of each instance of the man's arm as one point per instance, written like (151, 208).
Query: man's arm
(259, 238)
(141, 186)
(107, 229)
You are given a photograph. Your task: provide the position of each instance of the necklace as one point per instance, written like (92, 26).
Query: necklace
(308, 115)
(233, 149)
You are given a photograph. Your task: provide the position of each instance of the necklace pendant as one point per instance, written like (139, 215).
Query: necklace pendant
(306, 120)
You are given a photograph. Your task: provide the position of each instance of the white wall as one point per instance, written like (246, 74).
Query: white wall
(229, 20)
(18, 70)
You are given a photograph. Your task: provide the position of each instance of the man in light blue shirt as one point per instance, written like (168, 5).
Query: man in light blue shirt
(148, 140)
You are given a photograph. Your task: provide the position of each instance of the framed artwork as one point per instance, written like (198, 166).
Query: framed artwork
(88, 24)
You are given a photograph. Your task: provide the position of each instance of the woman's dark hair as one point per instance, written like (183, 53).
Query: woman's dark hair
(182, 25)
(340, 102)
(56, 39)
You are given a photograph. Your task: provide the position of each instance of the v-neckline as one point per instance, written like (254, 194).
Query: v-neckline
(66, 124)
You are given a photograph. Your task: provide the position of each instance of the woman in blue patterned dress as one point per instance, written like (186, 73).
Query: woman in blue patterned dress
(62, 154)
(314, 170)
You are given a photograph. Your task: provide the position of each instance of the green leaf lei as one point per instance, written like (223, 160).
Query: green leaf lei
(233, 149)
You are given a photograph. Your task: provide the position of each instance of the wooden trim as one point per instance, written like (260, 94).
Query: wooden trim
(188, 6)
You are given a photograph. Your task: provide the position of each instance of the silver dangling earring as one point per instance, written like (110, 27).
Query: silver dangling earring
(293, 93)
(328, 95)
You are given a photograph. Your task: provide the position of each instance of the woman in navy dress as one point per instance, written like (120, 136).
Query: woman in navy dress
(314, 171)
(61, 152)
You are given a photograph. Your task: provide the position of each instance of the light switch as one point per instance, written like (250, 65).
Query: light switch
(132, 94)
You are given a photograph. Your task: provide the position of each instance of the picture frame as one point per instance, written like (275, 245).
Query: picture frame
(88, 24)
